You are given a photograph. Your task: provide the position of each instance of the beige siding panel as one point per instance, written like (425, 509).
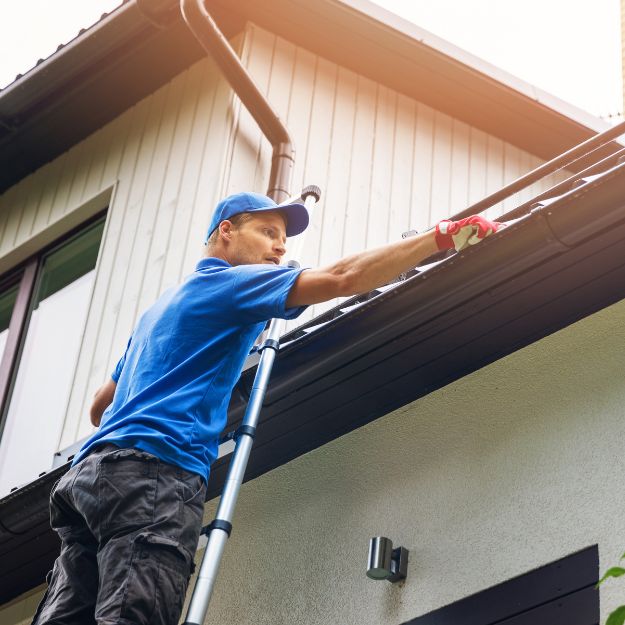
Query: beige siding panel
(512, 171)
(20, 611)
(281, 80)
(494, 172)
(48, 178)
(91, 150)
(379, 208)
(338, 181)
(143, 284)
(299, 111)
(74, 163)
(460, 162)
(92, 179)
(121, 301)
(316, 155)
(33, 194)
(423, 146)
(161, 241)
(355, 233)
(402, 188)
(215, 106)
(182, 177)
(478, 161)
(441, 168)
(318, 148)
(329, 218)
(137, 222)
(17, 206)
(119, 129)
(7, 206)
(291, 89)
(260, 62)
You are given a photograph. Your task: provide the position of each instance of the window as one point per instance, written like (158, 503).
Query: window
(43, 311)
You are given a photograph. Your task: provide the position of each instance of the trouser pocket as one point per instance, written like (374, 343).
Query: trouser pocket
(157, 581)
(127, 490)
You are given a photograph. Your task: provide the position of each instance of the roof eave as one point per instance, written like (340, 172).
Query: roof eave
(125, 57)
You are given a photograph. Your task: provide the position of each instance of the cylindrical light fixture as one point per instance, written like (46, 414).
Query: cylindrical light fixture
(380, 551)
(386, 562)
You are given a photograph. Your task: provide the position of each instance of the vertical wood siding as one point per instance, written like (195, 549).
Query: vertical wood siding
(385, 164)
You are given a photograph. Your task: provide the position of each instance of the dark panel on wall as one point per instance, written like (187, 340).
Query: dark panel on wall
(560, 593)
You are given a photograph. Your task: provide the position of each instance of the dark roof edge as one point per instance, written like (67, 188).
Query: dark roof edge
(41, 80)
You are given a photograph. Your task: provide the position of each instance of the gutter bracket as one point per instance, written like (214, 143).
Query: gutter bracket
(161, 19)
(11, 125)
(542, 212)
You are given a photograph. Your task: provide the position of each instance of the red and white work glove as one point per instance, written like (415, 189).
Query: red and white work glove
(458, 235)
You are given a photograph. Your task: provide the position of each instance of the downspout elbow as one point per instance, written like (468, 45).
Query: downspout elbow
(206, 31)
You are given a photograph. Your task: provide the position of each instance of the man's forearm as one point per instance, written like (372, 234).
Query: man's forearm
(370, 269)
(361, 272)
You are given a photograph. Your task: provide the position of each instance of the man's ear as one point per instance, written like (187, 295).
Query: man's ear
(225, 229)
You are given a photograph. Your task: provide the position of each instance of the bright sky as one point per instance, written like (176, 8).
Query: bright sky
(570, 48)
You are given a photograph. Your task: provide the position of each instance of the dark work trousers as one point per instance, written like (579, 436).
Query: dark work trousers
(129, 526)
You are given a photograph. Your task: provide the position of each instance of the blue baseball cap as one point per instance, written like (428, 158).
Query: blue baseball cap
(296, 214)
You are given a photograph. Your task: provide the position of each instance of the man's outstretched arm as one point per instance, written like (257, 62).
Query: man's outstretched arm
(101, 400)
(367, 270)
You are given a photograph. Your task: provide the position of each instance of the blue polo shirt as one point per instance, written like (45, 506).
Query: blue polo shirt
(184, 358)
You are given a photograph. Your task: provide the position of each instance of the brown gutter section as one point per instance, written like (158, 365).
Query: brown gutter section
(212, 40)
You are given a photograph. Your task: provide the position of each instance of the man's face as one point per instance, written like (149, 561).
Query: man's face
(260, 240)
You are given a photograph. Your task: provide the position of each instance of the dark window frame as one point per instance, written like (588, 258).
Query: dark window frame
(27, 274)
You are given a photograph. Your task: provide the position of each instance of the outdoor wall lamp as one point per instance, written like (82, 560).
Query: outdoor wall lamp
(385, 562)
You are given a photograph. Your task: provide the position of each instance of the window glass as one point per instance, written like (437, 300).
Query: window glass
(43, 383)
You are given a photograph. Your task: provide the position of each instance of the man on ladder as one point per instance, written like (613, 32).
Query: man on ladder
(129, 511)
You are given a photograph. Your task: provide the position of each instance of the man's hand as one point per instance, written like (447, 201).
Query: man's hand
(458, 235)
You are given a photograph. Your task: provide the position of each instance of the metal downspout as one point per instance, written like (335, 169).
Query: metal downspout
(213, 41)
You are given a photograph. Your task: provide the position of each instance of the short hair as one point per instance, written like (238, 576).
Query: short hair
(236, 220)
